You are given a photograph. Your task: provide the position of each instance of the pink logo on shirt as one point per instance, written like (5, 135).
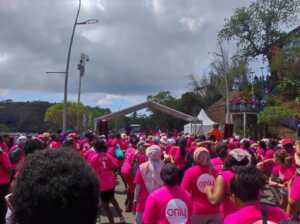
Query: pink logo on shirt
(176, 211)
(261, 222)
(204, 180)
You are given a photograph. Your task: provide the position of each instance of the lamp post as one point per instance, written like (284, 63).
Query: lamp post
(90, 21)
(81, 67)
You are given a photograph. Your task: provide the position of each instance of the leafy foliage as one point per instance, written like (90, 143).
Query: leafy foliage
(272, 115)
(77, 114)
(259, 26)
(24, 116)
(4, 128)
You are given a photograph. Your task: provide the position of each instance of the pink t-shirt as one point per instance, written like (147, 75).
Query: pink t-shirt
(54, 145)
(104, 166)
(194, 181)
(168, 205)
(89, 154)
(269, 154)
(295, 189)
(128, 160)
(140, 158)
(227, 206)
(283, 173)
(143, 195)
(5, 166)
(179, 160)
(218, 164)
(252, 214)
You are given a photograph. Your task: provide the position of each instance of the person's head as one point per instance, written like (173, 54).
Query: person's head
(69, 142)
(246, 184)
(169, 174)
(221, 150)
(90, 136)
(246, 144)
(100, 145)
(216, 126)
(201, 156)
(33, 145)
(153, 152)
(263, 145)
(55, 186)
(287, 144)
(237, 158)
(181, 142)
(282, 157)
(141, 146)
(134, 140)
(55, 137)
(21, 141)
(273, 144)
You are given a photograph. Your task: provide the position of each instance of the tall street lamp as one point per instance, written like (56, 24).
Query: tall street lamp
(89, 21)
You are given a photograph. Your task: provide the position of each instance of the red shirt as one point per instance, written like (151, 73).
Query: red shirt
(4, 168)
(104, 166)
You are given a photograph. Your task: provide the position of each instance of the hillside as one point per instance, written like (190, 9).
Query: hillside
(23, 116)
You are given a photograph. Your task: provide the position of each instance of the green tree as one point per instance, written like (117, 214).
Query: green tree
(4, 128)
(94, 112)
(259, 26)
(272, 115)
(54, 115)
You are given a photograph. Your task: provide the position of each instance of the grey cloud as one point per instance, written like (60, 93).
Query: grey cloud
(136, 48)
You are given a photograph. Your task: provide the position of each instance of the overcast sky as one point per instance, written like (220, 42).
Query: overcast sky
(139, 47)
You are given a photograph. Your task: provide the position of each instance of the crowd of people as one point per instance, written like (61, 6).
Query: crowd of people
(168, 178)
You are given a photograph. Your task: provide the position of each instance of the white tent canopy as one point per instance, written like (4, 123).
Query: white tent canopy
(202, 116)
(200, 129)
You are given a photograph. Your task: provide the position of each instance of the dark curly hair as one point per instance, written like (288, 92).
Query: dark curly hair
(169, 174)
(33, 145)
(247, 183)
(55, 186)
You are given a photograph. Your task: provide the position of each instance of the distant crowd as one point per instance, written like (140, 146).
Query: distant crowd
(168, 178)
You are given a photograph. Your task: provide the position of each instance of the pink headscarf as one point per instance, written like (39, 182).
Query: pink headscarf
(150, 170)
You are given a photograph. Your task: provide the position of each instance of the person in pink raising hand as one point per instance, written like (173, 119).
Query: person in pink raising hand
(147, 179)
(170, 203)
(220, 193)
(194, 181)
(104, 166)
(283, 170)
(245, 187)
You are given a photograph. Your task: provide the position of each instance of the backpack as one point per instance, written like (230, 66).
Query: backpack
(119, 153)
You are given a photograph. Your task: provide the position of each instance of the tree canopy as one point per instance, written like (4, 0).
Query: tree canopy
(259, 26)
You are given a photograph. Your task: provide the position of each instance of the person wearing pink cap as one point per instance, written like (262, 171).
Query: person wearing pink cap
(194, 181)
(170, 203)
(147, 180)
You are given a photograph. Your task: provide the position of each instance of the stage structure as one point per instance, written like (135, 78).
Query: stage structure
(148, 104)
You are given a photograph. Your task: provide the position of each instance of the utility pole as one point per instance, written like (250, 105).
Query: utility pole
(81, 67)
(225, 70)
